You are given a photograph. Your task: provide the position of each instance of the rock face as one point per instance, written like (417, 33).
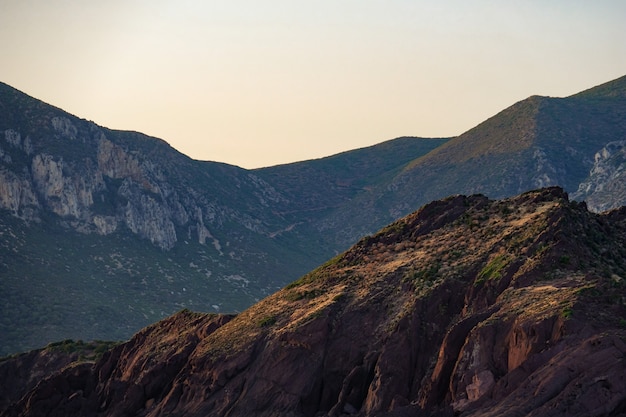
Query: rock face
(138, 195)
(99, 180)
(21, 373)
(468, 306)
(606, 183)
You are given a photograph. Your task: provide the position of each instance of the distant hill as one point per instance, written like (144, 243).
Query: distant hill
(103, 231)
(468, 306)
(575, 142)
(316, 190)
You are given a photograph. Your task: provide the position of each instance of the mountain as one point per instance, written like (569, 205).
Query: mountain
(316, 190)
(107, 231)
(469, 306)
(575, 142)
(103, 232)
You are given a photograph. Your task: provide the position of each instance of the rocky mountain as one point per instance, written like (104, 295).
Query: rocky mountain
(103, 232)
(469, 306)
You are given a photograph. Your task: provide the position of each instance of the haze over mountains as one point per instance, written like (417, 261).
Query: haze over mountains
(104, 231)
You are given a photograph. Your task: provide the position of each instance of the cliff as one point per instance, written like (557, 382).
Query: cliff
(468, 306)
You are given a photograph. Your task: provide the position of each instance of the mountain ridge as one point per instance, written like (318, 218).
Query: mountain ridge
(611, 89)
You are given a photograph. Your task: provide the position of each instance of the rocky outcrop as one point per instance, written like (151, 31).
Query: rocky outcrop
(605, 187)
(69, 191)
(468, 306)
(17, 196)
(21, 373)
(64, 195)
(101, 185)
(69, 386)
(100, 181)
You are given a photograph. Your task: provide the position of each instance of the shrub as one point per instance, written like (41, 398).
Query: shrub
(267, 321)
(493, 270)
(567, 312)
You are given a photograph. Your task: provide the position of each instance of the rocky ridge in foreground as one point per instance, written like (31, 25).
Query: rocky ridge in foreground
(466, 307)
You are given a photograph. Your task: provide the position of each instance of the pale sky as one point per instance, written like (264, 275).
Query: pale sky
(257, 83)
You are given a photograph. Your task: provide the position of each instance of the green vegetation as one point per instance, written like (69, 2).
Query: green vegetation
(339, 297)
(86, 350)
(318, 274)
(395, 228)
(567, 312)
(429, 273)
(493, 270)
(109, 287)
(267, 321)
(304, 295)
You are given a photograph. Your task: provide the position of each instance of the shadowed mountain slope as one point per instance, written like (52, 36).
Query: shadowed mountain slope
(469, 305)
(105, 231)
(315, 190)
(611, 89)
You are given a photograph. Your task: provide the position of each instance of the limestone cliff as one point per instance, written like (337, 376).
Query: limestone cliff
(605, 188)
(131, 186)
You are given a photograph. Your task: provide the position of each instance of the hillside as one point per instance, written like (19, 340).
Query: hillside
(469, 305)
(103, 232)
(576, 143)
(315, 190)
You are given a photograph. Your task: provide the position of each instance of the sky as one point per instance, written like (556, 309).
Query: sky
(259, 83)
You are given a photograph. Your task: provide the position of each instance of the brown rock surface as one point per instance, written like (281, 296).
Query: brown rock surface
(21, 373)
(469, 306)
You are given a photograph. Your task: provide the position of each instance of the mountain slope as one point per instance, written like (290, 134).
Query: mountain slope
(107, 231)
(537, 142)
(316, 189)
(572, 142)
(103, 232)
(608, 90)
(510, 307)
